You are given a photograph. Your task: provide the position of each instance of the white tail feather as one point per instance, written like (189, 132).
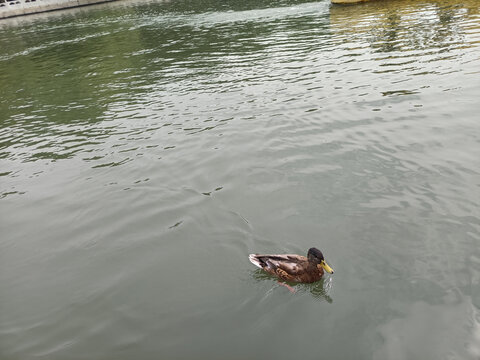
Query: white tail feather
(253, 259)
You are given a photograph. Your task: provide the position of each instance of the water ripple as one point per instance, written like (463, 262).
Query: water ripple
(137, 136)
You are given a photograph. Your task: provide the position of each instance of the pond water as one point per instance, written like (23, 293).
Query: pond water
(146, 148)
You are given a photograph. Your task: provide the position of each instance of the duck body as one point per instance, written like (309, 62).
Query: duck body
(292, 267)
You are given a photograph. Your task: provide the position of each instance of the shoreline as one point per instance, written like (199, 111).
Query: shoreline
(10, 9)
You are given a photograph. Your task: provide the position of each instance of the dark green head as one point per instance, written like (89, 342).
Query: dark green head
(315, 256)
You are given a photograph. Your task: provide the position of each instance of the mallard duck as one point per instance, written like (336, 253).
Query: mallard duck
(291, 267)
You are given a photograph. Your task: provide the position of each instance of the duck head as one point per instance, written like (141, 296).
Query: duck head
(315, 256)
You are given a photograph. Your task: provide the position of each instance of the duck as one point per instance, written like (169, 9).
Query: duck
(292, 267)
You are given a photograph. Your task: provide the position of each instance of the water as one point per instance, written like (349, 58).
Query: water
(148, 147)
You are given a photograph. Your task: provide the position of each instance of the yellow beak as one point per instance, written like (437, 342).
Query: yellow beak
(327, 268)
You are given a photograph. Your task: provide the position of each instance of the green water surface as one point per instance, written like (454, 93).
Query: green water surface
(146, 148)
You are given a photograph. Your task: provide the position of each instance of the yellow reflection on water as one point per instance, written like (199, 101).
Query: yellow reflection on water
(392, 24)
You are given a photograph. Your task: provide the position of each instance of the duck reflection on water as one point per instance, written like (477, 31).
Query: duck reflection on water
(320, 289)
